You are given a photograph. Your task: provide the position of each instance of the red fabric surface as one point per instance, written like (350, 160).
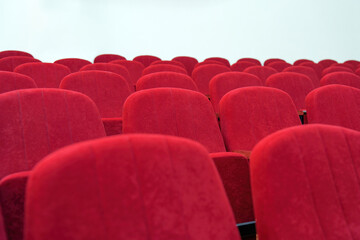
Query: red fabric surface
(353, 63)
(113, 126)
(357, 71)
(242, 65)
(295, 84)
(166, 79)
(45, 75)
(10, 81)
(308, 71)
(261, 72)
(188, 62)
(39, 121)
(271, 60)
(146, 60)
(249, 114)
(179, 64)
(279, 65)
(317, 68)
(74, 64)
(252, 60)
(336, 69)
(163, 68)
(12, 53)
(305, 184)
(326, 63)
(105, 58)
(225, 82)
(335, 105)
(173, 111)
(108, 90)
(128, 187)
(12, 197)
(300, 61)
(345, 65)
(2, 227)
(203, 74)
(219, 59)
(109, 67)
(343, 78)
(135, 69)
(10, 63)
(208, 62)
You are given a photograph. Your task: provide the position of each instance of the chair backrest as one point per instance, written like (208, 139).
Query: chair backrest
(305, 184)
(207, 62)
(109, 67)
(253, 60)
(335, 105)
(317, 67)
(10, 63)
(35, 122)
(146, 60)
(300, 61)
(166, 79)
(279, 65)
(242, 65)
(45, 75)
(173, 111)
(203, 74)
(219, 59)
(225, 82)
(249, 114)
(295, 84)
(74, 64)
(262, 72)
(343, 78)
(188, 62)
(10, 81)
(336, 69)
(128, 187)
(163, 68)
(108, 90)
(345, 65)
(12, 53)
(308, 71)
(271, 60)
(135, 69)
(325, 63)
(175, 63)
(354, 63)
(105, 58)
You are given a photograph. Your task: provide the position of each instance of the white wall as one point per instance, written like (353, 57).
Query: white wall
(313, 29)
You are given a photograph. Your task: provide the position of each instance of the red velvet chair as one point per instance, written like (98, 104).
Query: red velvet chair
(345, 65)
(109, 67)
(242, 65)
(10, 81)
(13, 53)
(186, 113)
(105, 58)
(146, 60)
(300, 61)
(207, 63)
(163, 68)
(225, 82)
(175, 63)
(279, 65)
(295, 84)
(261, 72)
(336, 69)
(305, 184)
(10, 63)
(249, 114)
(45, 75)
(188, 62)
(354, 63)
(253, 60)
(317, 67)
(343, 78)
(308, 71)
(166, 79)
(203, 74)
(335, 105)
(326, 63)
(271, 60)
(357, 71)
(109, 92)
(219, 59)
(135, 69)
(128, 187)
(74, 64)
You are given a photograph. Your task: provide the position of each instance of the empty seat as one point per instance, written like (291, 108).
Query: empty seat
(262, 72)
(295, 84)
(163, 68)
(343, 78)
(253, 60)
(225, 82)
(10, 63)
(128, 187)
(354, 63)
(74, 64)
(335, 105)
(326, 63)
(178, 64)
(109, 67)
(188, 62)
(279, 65)
(135, 69)
(45, 75)
(335, 69)
(146, 60)
(207, 63)
(249, 114)
(305, 184)
(345, 65)
(219, 59)
(10, 81)
(242, 65)
(317, 68)
(271, 60)
(357, 72)
(300, 61)
(203, 74)
(108, 90)
(13, 53)
(105, 58)
(166, 79)
(308, 71)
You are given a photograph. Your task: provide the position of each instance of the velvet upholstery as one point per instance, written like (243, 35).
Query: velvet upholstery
(146, 60)
(305, 184)
(105, 58)
(336, 69)
(295, 84)
(249, 114)
(219, 59)
(35, 122)
(300, 61)
(353, 63)
(345, 65)
(109, 67)
(252, 60)
(179, 64)
(166, 79)
(225, 82)
(12, 199)
(10, 63)
(279, 65)
(134, 68)
(188, 62)
(357, 72)
(13, 53)
(128, 187)
(325, 63)
(45, 75)
(308, 71)
(262, 72)
(271, 60)
(203, 74)
(74, 64)
(2, 227)
(335, 105)
(241, 66)
(10, 81)
(163, 68)
(207, 63)
(343, 78)
(317, 68)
